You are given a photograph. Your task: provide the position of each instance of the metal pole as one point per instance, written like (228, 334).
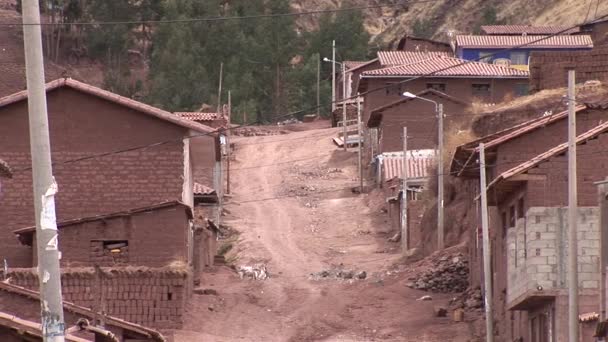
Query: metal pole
(404, 222)
(345, 136)
(333, 76)
(219, 91)
(603, 205)
(228, 142)
(52, 321)
(487, 270)
(440, 199)
(359, 143)
(572, 208)
(318, 85)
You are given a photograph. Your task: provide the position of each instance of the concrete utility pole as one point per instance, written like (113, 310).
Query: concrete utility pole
(318, 86)
(49, 276)
(344, 105)
(359, 143)
(404, 222)
(487, 269)
(333, 76)
(228, 138)
(572, 214)
(440, 199)
(602, 192)
(219, 91)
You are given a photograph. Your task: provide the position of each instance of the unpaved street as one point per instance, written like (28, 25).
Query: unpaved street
(293, 206)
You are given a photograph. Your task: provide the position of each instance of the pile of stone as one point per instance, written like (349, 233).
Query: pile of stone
(469, 300)
(338, 273)
(444, 274)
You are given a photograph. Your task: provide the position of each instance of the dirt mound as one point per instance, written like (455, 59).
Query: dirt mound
(445, 271)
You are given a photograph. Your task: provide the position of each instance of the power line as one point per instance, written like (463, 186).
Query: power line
(291, 114)
(219, 19)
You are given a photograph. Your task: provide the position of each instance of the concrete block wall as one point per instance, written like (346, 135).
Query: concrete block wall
(538, 250)
(147, 296)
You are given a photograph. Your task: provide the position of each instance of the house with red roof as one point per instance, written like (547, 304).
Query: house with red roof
(111, 154)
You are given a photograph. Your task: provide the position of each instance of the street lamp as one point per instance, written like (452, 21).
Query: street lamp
(333, 92)
(440, 220)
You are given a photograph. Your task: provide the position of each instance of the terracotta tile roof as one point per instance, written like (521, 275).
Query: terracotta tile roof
(202, 190)
(30, 328)
(5, 170)
(198, 116)
(419, 163)
(375, 117)
(354, 64)
(448, 67)
(109, 96)
(557, 150)
(551, 42)
(393, 58)
(359, 66)
(526, 29)
(110, 321)
(129, 212)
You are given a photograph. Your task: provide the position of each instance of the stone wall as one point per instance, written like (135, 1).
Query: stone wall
(146, 296)
(538, 250)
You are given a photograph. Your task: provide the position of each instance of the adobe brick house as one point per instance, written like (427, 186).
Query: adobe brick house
(533, 222)
(505, 150)
(419, 116)
(85, 121)
(153, 236)
(20, 320)
(598, 30)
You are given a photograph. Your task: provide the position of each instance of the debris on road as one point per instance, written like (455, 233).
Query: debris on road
(257, 272)
(338, 273)
(208, 292)
(440, 311)
(442, 273)
(425, 298)
(469, 300)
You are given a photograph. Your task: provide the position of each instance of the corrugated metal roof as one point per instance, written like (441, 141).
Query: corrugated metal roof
(560, 41)
(112, 97)
(442, 66)
(200, 189)
(557, 150)
(527, 29)
(419, 162)
(393, 58)
(197, 116)
(30, 328)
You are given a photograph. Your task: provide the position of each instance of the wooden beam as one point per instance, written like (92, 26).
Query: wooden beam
(524, 177)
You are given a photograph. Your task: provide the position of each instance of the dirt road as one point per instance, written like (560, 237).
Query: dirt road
(293, 206)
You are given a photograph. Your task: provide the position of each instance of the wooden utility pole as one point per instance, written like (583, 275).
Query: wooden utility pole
(404, 223)
(45, 188)
(219, 91)
(572, 215)
(440, 185)
(359, 143)
(228, 139)
(602, 192)
(487, 269)
(318, 85)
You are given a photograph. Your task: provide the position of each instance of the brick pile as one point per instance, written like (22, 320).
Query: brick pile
(548, 70)
(146, 296)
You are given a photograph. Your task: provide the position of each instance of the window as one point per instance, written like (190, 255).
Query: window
(522, 89)
(485, 57)
(512, 216)
(436, 86)
(393, 89)
(520, 208)
(481, 89)
(519, 58)
(109, 252)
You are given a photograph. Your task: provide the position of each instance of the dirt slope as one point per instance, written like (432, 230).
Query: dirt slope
(297, 215)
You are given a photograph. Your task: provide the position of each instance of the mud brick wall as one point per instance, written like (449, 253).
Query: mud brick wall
(548, 70)
(146, 296)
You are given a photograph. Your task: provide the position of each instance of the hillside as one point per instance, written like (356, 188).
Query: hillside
(458, 16)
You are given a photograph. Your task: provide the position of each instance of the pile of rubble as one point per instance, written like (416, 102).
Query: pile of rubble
(255, 131)
(469, 300)
(338, 273)
(444, 274)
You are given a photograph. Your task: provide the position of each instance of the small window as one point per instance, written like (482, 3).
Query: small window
(481, 89)
(512, 216)
(436, 86)
(520, 208)
(522, 89)
(393, 89)
(485, 57)
(109, 252)
(519, 58)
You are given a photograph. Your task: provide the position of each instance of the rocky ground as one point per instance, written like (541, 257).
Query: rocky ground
(320, 265)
